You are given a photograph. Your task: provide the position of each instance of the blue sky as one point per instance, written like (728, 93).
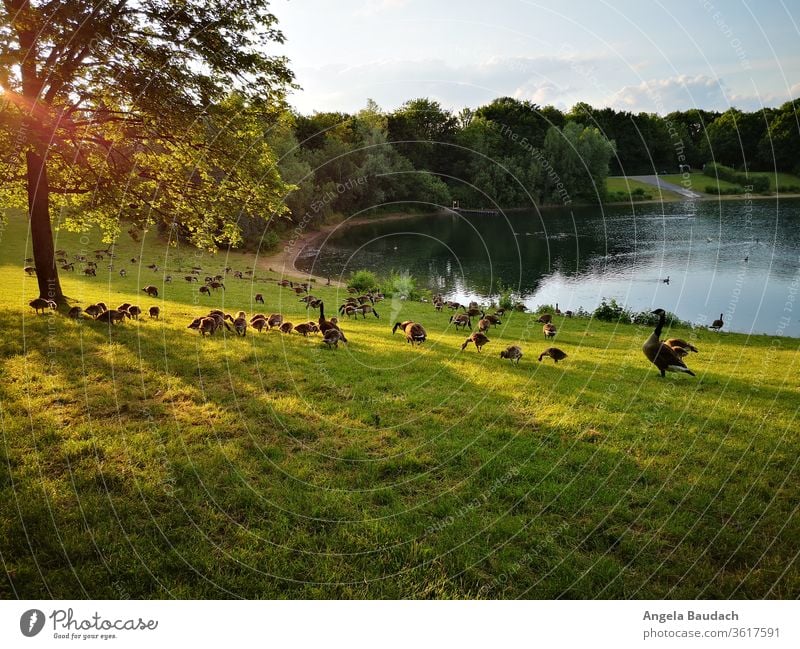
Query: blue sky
(646, 55)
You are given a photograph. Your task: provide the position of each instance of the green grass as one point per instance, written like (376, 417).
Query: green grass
(621, 188)
(699, 181)
(147, 461)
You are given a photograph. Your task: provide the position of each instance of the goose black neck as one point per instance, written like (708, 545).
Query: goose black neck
(662, 318)
(321, 310)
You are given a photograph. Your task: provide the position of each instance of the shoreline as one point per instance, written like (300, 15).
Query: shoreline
(283, 261)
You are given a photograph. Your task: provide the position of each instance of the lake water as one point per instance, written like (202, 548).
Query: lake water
(740, 258)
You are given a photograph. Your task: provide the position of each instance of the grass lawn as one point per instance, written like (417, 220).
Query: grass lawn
(698, 181)
(146, 461)
(623, 185)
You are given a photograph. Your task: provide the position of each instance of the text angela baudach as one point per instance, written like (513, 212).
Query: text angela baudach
(689, 615)
(65, 620)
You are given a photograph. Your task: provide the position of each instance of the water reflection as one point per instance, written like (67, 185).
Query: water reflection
(731, 256)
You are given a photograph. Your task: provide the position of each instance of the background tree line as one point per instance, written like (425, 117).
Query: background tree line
(513, 153)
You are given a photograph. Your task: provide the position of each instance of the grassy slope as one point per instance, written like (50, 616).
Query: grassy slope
(627, 185)
(700, 181)
(149, 462)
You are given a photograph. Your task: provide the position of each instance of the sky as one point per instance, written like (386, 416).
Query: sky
(643, 55)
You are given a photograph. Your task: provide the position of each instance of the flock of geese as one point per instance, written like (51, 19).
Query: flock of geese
(666, 355)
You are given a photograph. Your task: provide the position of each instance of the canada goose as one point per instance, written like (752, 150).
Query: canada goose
(286, 327)
(220, 319)
(304, 328)
(500, 312)
(259, 324)
(151, 290)
(347, 309)
(205, 325)
(681, 347)
(237, 274)
(208, 326)
(70, 267)
(415, 332)
(666, 280)
(493, 319)
(558, 311)
(258, 316)
(103, 306)
(90, 272)
(76, 313)
(332, 338)
(568, 313)
(124, 306)
(545, 318)
(204, 290)
(324, 325)
(216, 285)
(553, 352)
(314, 327)
(453, 305)
(154, 312)
(474, 311)
(93, 310)
(717, 324)
(660, 354)
(191, 278)
(298, 289)
(484, 324)
(240, 326)
(314, 304)
(112, 316)
(513, 353)
(152, 266)
(461, 320)
(40, 304)
(364, 309)
(122, 272)
(134, 312)
(167, 279)
(549, 330)
(275, 320)
(30, 270)
(478, 338)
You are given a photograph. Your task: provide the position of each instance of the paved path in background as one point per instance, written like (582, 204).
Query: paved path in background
(657, 182)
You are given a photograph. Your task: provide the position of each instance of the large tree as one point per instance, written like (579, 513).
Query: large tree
(124, 109)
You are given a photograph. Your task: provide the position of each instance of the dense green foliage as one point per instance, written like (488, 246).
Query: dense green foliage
(758, 184)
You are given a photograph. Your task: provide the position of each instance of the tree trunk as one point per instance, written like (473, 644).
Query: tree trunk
(41, 230)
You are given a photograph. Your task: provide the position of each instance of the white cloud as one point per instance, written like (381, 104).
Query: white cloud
(560, 79)
(664, 95)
